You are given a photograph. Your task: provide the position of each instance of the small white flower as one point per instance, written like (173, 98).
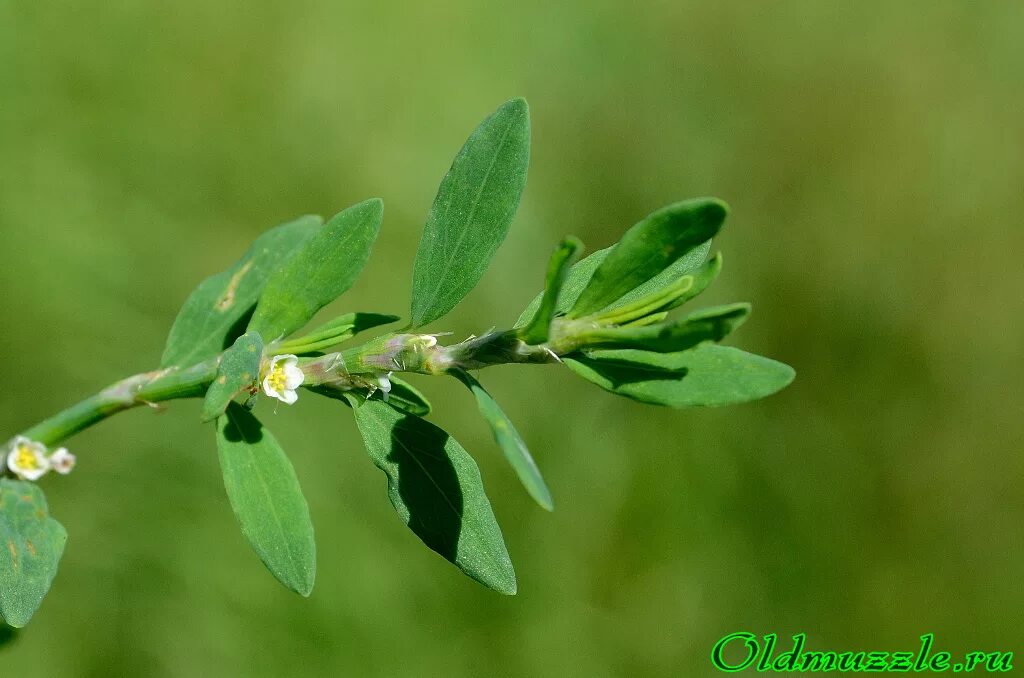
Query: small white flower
(384, 382)
(283, 377)
(27, 458)
(63, 461)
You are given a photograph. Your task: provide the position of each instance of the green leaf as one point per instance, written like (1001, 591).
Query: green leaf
(404, 396)
(558, 269)
(407, 398)
(334, 332)
(239, 368)
(436, 489)
(580, 274)
(351, 324)
(709, 375)
(510, 442)
(324, 268)
(648, 248)
(702, 278)
(216, 312)
(712, 324)
(472, 212)
(267, 499)
(31, 544)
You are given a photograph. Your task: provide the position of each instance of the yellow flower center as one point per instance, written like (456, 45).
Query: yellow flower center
(277, 379)
(26, 459)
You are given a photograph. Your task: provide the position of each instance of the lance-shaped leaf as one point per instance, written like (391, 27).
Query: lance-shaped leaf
(648, 248)
(31, 544)
(580, 274)
(267, 500)
(709, 375)
(510, 442)
(239, 368)
(324, 268)
(436, 489)
(712, 324)
(216, 312)
(472, 212)
(558, 269)
(702, 278)
(335, 331)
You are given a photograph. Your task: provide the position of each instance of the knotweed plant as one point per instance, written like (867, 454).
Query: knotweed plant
(608, 318)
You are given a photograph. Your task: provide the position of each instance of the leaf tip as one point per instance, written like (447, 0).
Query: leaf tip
(517, 104)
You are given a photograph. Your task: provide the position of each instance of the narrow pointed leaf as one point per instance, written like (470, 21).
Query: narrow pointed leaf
(702, 278)
(216, 312)
(324, 268)
(510, 442)
(436, 489)
(648, 248)
(351, 324)
(267, 500)
(580, 274)
(709, 375)
(472, 212)
(713, 324)
(239, 369)
(31, 544)
(558, 269)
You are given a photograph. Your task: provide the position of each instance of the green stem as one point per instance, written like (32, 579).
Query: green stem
(141, 389)
(376, 356)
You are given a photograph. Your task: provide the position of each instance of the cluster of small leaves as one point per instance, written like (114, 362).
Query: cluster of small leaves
(605, 317)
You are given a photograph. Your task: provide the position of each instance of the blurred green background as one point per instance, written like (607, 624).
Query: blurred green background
(871, 153)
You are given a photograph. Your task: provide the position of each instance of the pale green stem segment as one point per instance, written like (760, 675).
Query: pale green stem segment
(148, 388)
(388, 353)
(151, 388)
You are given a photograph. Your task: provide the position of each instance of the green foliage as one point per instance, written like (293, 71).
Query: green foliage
(648, 248)
(712, 324)
(702, 278)
(403, 396)
(709, 375)
(435, 487)
(580, 274)
(210, 319)
(239, 368)
(407, 398)
(605, 317)
(321, 270)
(510, 442)
(472, 212)
(31, 544)
(267, 499)
(558, 270)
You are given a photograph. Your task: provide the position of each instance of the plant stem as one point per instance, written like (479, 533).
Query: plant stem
(141, 389)
(383, 354)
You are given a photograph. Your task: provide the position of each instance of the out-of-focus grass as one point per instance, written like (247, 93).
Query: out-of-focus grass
(871, 154)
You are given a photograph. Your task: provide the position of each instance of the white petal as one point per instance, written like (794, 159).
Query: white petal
(11, 459)
(269, 390)
(17, 442)
(385, 385)
(288, 359)
(289, 397)
(293, 376)
(34, 474)
(63, 461)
